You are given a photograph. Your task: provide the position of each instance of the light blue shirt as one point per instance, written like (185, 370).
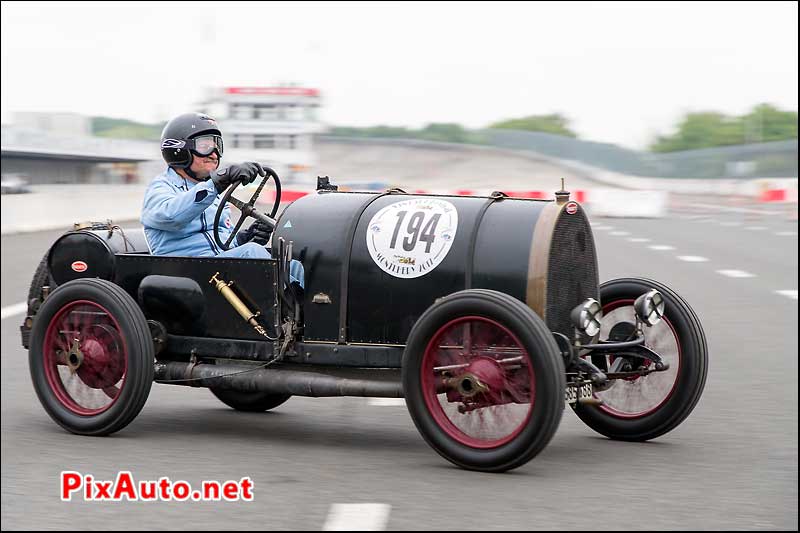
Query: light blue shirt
(178, 216)
(178, 219)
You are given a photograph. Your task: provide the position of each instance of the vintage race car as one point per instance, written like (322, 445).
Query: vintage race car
(485, 313)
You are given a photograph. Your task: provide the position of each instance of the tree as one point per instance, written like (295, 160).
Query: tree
(554, 123)
(768, 123)
(708, 129)
(446, 132)
(125, 129)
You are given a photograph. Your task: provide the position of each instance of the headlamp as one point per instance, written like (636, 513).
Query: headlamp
(586, 317)
(649, 307)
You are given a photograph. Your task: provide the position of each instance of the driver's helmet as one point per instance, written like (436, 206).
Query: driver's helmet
(187, 134)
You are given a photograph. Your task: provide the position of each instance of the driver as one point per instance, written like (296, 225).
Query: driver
(179, 204)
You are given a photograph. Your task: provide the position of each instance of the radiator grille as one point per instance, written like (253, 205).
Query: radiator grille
(572, 270)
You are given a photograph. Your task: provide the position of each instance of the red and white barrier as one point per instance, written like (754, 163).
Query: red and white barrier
(778, 195)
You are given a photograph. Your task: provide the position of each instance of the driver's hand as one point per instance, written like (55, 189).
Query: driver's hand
(245, 172)
(258, 232)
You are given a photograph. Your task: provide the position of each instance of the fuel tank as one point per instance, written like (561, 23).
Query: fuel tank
(375, 262)
(90, 253)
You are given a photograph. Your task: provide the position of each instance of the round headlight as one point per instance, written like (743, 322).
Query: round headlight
(586, 317)
(649, 307)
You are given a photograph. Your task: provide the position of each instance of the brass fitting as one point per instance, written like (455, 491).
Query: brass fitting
(224, 288)
(562, 196)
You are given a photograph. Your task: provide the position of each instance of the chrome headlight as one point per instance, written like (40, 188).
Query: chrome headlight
(586, 317)
(649, 307)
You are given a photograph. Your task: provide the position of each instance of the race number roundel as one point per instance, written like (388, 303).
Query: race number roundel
(408, 239)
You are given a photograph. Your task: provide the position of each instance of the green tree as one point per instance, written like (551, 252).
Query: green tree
(125, 129)
(554, 123)
(372, 131)
(441, 132)
(445, 132)
(768, 123)
(702, 130)
(708, 129)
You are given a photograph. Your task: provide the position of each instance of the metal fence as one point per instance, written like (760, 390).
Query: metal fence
(762, 160)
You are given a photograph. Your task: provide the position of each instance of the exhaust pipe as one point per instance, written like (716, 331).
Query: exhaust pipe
(316, 383)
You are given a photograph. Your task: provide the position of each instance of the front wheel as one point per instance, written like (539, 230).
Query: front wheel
(483, 380)
(649, 406)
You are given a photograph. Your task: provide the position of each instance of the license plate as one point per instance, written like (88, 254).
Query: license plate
(575, 392)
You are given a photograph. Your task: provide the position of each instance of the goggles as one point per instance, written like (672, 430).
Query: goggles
(204, 145)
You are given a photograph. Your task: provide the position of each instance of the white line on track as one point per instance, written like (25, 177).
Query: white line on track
(736, 273)
(639, 239)
(661, 247)
(387, 402)
(787, 233)
(603, 228)
(692, 258)
(730, 224)
(755, 228)
(620, 233)
(11, 310)
(734, 209)
(357, 517)
(788, 294)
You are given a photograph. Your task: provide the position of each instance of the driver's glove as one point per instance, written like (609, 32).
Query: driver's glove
(245, 172)
(258, 232)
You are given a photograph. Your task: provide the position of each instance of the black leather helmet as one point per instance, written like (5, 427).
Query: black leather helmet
(187, 134)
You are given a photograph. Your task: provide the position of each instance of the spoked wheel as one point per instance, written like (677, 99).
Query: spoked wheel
(645, 407)
(249, 401)
(483, 380)
(91, 357)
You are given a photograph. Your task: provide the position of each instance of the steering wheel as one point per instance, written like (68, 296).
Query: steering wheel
(247, 209)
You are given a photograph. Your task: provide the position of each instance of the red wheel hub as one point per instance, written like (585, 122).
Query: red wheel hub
(85, 357)
(478, 382)
(101, 367)
(489, 372)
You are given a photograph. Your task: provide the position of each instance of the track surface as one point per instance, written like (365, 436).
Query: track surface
(731, 465)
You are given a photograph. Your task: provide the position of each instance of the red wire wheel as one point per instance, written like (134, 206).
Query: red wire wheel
(491, 383)
(85, 358)
(483, 380)
(91, 357)
(646, 407)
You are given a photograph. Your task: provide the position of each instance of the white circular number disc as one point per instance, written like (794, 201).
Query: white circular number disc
(408, 239)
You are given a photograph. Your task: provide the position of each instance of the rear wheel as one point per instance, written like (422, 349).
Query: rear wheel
(41, 277)
(249, 401)
(483, 380)
(91, 357)
(646, 407)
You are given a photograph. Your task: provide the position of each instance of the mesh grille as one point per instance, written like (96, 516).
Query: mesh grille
(572, 274)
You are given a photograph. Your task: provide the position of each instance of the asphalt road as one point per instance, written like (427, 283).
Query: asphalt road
(731, 465)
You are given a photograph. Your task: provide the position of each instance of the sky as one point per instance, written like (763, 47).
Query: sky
(621, 72)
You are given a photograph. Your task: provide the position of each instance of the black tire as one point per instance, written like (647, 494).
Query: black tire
(120, 320)
(252, 402)
(540, 356)
(684, 386)
(41, 277)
